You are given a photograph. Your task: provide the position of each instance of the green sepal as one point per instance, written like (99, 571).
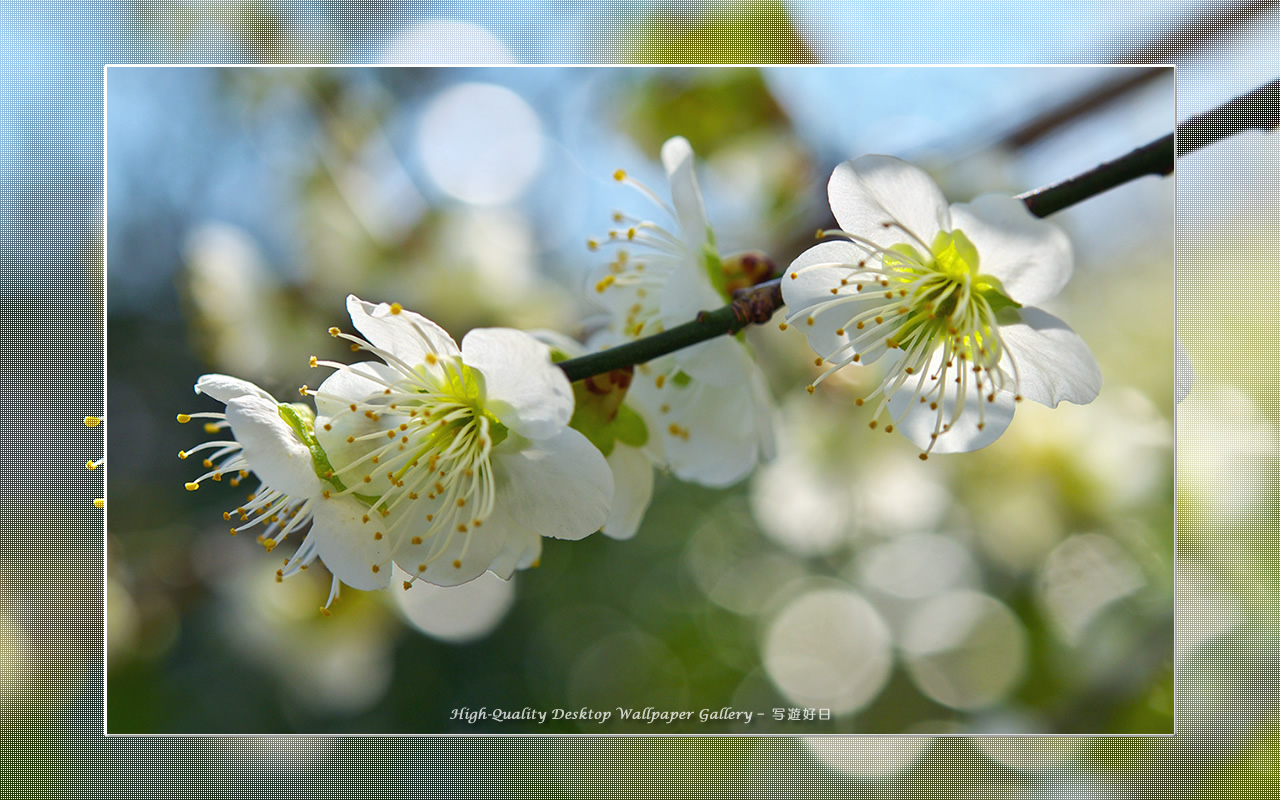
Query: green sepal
(301, 419)
(630, 428)
(714, 267)
(989, 288)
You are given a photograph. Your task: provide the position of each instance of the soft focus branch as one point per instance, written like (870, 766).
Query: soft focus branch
(1257, 110)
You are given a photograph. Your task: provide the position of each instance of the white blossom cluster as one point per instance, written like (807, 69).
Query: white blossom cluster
(449, 461)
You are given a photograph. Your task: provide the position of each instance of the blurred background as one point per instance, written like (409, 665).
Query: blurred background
(1026, 588)
(174, 607)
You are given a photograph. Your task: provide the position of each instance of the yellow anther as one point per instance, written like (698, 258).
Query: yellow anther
(620, 175)
(334, 331)
(302, 390)
(211, 427)
(817, 362)
(268, 545)
(326, 612)
(924, 456)
(406, 585)
(92, 422)
(604, 283)
(99, 503)
(375, 568)
(660, 381)
(312, 362)
(593, 245)
(192, 486)
(810, 388)
(396, 308)
(431, 358)
(782, 326)
(184, 418)
(182, 454)
(839, 331)
(90, 465)
(794, 276)
(416, 540)
(279, 576)
(809, 321)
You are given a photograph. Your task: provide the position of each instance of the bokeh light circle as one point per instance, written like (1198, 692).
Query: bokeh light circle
(480, 143)
(828, 648)
(965, 649)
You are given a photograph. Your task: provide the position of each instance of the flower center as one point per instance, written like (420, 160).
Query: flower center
(431, 460)
(937, 311)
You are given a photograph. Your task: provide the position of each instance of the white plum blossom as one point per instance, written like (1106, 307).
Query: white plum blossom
(462, 455)
(945, 296)
(274, 441)
(709, 404)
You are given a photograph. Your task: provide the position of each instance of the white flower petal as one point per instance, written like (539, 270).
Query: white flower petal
(818, 270)
(571, 347)
(496, 546)
(559, 487)
(677, 158)
(632, 489)
(224, 388)
(354, 384)
(349, 547)
(522, 549)
(722, 361)
(1053, 362)
(870, 191)
(917, 421)
(410, 336)
(1031, 256)
(765, 416)
(1183, 374)
(344, 434)
(687, 291)
(710, 435)
(523, 388)
(271, 447)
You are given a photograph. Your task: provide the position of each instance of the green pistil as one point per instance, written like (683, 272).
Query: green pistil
(942, 279)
